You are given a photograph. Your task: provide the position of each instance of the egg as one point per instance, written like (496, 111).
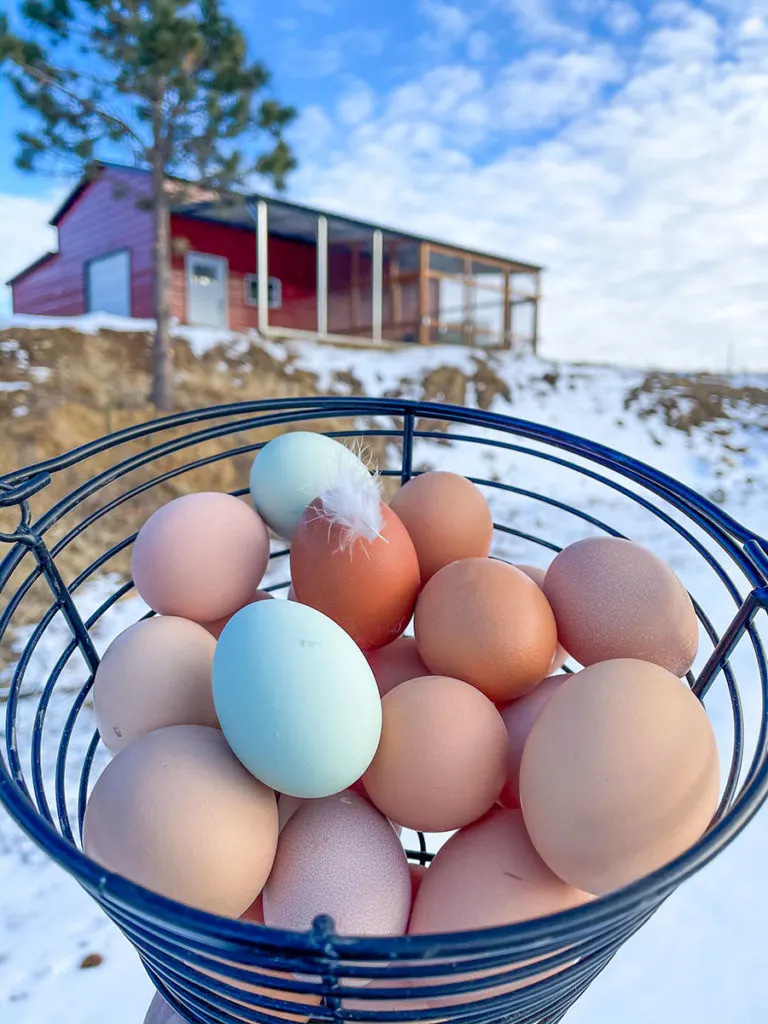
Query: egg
(615, 599)
(619, 774)
(295, 698)
(215, 628)
(483, 621)
(292, 470)
(488, 875)
(417, 876)
(518, 717)
(352, 559)
(286, 808)
(447, 518)
(200, 557)
(155, 673)
(396, 662)
(340, 857)
(160, 1012)
(536, 574)
(442, 757)
(177, 813)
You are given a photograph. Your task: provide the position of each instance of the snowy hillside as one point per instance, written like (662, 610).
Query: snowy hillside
(702, 959)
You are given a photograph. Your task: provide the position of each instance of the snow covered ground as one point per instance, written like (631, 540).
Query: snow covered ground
(703, 958)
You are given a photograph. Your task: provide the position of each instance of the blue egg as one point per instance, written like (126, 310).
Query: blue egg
(296, 699)
(294, 469)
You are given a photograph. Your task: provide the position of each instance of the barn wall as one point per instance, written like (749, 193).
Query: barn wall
(103, 218)
(292, 261)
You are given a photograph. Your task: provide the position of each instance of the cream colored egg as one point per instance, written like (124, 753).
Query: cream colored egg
(154, 674)
(177, 813)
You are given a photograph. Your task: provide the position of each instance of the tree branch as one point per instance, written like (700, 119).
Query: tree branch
(49, 80)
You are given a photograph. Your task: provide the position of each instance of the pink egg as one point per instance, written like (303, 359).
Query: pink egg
(519, 717)
(216, 627)
(286, 808)
(201, 556)
(339, 856)
(396, 663)
(155, 673)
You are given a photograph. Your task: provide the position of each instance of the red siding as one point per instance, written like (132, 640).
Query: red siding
(293, 262)
(104, 218)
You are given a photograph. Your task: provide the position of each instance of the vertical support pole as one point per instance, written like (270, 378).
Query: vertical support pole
(322, 275)
(262, 264)
(535, 327)
(377, 283)
(507, 336)
(423, 293)
(395, 294)
(467, 294)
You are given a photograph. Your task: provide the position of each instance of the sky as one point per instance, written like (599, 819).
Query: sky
(622, 145)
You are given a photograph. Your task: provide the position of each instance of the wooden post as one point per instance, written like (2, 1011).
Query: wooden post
(423, 293)
(354, 280)
(507, 338)
(535, 327)
(468, 290)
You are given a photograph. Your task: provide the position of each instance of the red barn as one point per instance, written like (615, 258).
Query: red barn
(322, 274)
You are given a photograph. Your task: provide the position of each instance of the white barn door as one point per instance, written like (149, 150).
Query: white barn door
(108, 284)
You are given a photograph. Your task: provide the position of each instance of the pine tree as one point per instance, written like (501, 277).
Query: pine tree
(167, 83)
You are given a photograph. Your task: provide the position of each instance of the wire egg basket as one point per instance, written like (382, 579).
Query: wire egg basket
(546, 488)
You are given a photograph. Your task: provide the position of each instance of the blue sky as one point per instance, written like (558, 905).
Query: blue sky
(622, 144)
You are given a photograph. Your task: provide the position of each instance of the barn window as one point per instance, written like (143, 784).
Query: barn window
(274, 291)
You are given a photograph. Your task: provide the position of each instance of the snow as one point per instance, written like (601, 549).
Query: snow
(702, 958)
(15, 385)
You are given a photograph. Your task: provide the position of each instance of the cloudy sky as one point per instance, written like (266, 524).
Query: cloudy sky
(622, 145)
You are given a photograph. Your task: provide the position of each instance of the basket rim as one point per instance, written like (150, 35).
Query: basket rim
(641, 895)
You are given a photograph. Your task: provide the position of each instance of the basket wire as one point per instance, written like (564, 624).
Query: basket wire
(530, 972)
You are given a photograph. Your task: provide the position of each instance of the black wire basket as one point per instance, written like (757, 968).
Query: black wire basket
(215, 970)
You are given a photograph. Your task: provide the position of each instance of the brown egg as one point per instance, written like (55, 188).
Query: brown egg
(366, 583)
(488, 875)
(536, 574)
(519, 717)
(177, 813)
(417, 875)
(396, 662)
(442, 755)
(215, 628)
(155, 673)
(619, 774)
(487, 623)
(447, 517)
(615, 599)
(201, 556)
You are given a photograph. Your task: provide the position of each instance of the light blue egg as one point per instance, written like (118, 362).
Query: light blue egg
(296, 698)
(292, 470)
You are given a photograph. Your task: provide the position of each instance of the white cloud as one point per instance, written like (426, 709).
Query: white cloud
(544, 88)
(479, 45)
(312, 131)
(538, 19)
(449, 20)
(24, 235)
(356, 105)
(649, 209)
(621, 17)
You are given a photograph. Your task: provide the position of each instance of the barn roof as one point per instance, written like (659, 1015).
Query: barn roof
(284, 215)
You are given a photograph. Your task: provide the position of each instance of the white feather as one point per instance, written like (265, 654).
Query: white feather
(353, 504)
